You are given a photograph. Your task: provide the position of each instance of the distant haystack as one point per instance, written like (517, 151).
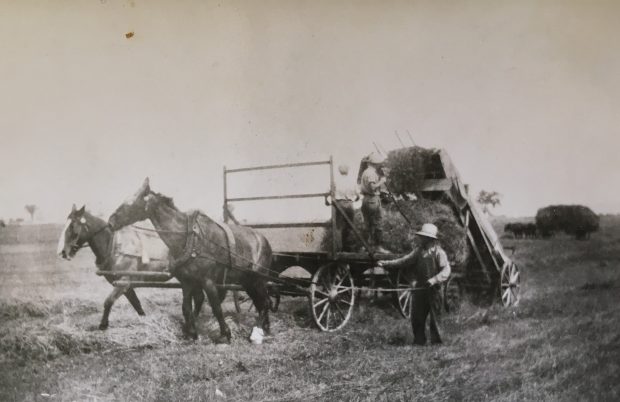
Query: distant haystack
(576, 220)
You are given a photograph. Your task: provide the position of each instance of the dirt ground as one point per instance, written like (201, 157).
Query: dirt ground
(561, 343)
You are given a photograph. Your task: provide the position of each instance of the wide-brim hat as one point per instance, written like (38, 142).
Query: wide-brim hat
(428, 230)
(375, 158)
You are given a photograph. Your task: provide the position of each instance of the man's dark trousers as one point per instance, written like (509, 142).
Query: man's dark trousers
(426, 302)
(346, 241)
(373, 217)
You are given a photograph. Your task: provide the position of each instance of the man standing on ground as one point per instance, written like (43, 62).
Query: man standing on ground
(429, 267)
(346, 193)
(370, 185)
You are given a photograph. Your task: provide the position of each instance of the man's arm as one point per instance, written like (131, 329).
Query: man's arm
(444, 264)
(399, 262)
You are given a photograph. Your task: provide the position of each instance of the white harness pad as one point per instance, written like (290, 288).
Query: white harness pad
(141, 243)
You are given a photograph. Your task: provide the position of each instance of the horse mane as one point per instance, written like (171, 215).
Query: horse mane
(166, 200)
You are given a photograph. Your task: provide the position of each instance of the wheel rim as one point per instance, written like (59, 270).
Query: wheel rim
(404, 296)
(332, 297)
(510, 285)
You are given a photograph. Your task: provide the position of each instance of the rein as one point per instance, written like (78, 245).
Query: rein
(242, 269)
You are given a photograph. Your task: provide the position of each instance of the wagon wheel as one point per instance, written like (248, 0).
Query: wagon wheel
(403, 299)
(452, 295)
(510, 285)
(332, 296)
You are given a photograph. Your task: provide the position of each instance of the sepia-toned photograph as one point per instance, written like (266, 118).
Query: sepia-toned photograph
(294, 200)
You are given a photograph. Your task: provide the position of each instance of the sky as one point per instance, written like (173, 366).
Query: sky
(523, 95)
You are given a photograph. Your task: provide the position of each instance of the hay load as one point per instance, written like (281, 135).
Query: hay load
(399, 236)
(575, 220)
(409, 167)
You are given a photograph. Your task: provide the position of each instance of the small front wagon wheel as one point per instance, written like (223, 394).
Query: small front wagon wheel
(403, 298)
(510, 285)
(332, 296)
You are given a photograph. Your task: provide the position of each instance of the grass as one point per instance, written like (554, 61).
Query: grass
(561, 343)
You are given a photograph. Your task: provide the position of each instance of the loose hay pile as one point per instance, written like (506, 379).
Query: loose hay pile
(399, 236)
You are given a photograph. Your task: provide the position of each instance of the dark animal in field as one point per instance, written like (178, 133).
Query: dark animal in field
(128, 250)
(203, 259)
(2, 224)
(576, 220)
(521, 230)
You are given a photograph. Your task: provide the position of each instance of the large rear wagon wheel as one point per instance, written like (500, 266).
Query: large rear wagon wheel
(510, 285)
(403, 298)
(332, 296)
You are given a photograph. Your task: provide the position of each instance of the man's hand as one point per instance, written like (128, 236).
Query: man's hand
(382, 263)
(430, 283)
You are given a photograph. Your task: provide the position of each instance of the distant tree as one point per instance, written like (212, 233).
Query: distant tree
(31, 209)
(489, 200)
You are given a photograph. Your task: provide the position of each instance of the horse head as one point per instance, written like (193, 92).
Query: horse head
(76, 232)
(138, 207)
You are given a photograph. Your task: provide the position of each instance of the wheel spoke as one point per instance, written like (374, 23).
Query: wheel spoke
(407, 301)
(403, 295)
(321, 293)
(515, 277)
(506, 294)
(322, 313)
(340, 311)
(344, 301)
(344, 290)
(320, 302)
(329, 311)
(326, 284)
(342, 280)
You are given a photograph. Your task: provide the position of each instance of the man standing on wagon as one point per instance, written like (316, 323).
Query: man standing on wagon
(428, 266)
(371, 183)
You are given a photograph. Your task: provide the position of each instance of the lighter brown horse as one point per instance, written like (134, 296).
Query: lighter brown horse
(84, 228)
(210, 261)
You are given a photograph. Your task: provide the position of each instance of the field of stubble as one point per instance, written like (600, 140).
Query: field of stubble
(561, 343)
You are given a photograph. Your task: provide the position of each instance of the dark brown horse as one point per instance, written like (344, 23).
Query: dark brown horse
(204, 259)
(123, 251)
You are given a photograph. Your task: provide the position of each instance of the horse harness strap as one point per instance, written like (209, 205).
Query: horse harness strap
(191, 250)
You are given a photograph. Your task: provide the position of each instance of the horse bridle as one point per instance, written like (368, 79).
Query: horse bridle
(75, 243)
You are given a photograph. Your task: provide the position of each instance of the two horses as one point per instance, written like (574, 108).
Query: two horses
(83, 228)
(203, 254)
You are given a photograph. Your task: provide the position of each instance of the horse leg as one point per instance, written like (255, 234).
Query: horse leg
(257, 290)
(107, 305)
(222, 294)
(199, 298)
(131, 295)
(188, 314)
(216, 307)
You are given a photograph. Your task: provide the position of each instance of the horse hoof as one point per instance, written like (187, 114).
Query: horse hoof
(222, 340)
(103, 326)
(142, 313)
